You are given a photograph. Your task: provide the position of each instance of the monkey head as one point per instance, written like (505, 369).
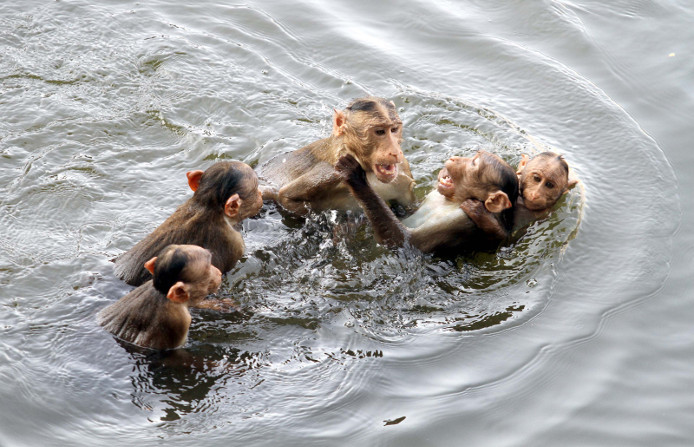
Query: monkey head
(184, 273)
(228, 185)
(371, 130)
(543, 179)
(484, 177)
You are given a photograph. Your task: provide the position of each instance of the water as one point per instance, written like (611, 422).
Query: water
(579, 334)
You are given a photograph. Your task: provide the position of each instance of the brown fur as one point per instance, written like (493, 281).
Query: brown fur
(201, 221)
(155, 315)
(439, 225)
(370, 130)
(543, 179)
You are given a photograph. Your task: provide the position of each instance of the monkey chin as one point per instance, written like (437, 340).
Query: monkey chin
(385, 173)
(536, 205)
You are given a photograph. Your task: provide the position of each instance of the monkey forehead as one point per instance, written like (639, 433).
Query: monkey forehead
(547, 169)
(380, 121)
(195, 253)
(197, 267)
(376, 109)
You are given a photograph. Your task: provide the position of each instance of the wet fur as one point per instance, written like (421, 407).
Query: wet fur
(146, 318)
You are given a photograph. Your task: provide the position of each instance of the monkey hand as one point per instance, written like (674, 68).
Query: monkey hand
(473, 208)
(350, 171)
(484, 220)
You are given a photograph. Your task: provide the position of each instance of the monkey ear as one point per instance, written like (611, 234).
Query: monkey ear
(194, 179)
(231, 208)
(149, 265)
(497, 202)
(178, 293)
(570, 185)
(524, 161)
(339, 120)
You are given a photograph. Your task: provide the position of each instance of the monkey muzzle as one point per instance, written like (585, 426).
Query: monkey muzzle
(446, 185)
(386, 173)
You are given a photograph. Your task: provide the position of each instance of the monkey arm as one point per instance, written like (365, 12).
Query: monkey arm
(220, 305)
(484, 220)
(387, 228)
(307, 187)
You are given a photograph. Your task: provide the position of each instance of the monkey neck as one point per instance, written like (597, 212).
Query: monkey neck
(236, 237)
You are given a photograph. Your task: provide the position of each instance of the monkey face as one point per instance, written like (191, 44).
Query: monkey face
(372, 130)
(542, 182)
(458, 180)
(465, 178)
(386, 155)
(207, 277)
(252, 204)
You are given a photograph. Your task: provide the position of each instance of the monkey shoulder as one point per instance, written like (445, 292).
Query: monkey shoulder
(522, 216)
(144, 317)
(283, 168)
(131, 315)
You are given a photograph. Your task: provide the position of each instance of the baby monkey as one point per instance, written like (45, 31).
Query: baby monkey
(542, 179)
(439, 225)
(155, 315)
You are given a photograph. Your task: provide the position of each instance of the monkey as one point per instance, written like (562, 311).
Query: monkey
(155, 315)
(439, 225)
(542, 179)
(370, 130)
(223, 195)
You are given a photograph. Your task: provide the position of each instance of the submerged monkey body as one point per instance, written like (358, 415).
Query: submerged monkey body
(155, 315)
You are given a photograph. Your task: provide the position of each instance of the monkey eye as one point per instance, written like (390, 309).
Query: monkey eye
(394, 129)
(380, 132)
(537, 178)
(549, 185)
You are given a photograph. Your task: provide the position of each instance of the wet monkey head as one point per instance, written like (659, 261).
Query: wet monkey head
(184, 273)
(543, 179)
(231, 186)
(484, 177)
(371, 130)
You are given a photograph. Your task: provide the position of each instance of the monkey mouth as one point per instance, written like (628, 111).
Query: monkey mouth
(446, 186)
(386, 172)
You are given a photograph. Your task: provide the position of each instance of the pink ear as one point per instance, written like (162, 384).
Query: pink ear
(194, 179)
(524, 161)
(231, 208)
(339, 120)
(497, 202)
(178, 293)
(571, 184)
(149, 265)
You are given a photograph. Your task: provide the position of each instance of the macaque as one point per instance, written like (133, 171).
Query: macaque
(370, 130)
(155, 315)
(224, 195)
(439, 225)
(542, 179)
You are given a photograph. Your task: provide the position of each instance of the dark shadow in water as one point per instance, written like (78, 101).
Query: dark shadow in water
(179, 381)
